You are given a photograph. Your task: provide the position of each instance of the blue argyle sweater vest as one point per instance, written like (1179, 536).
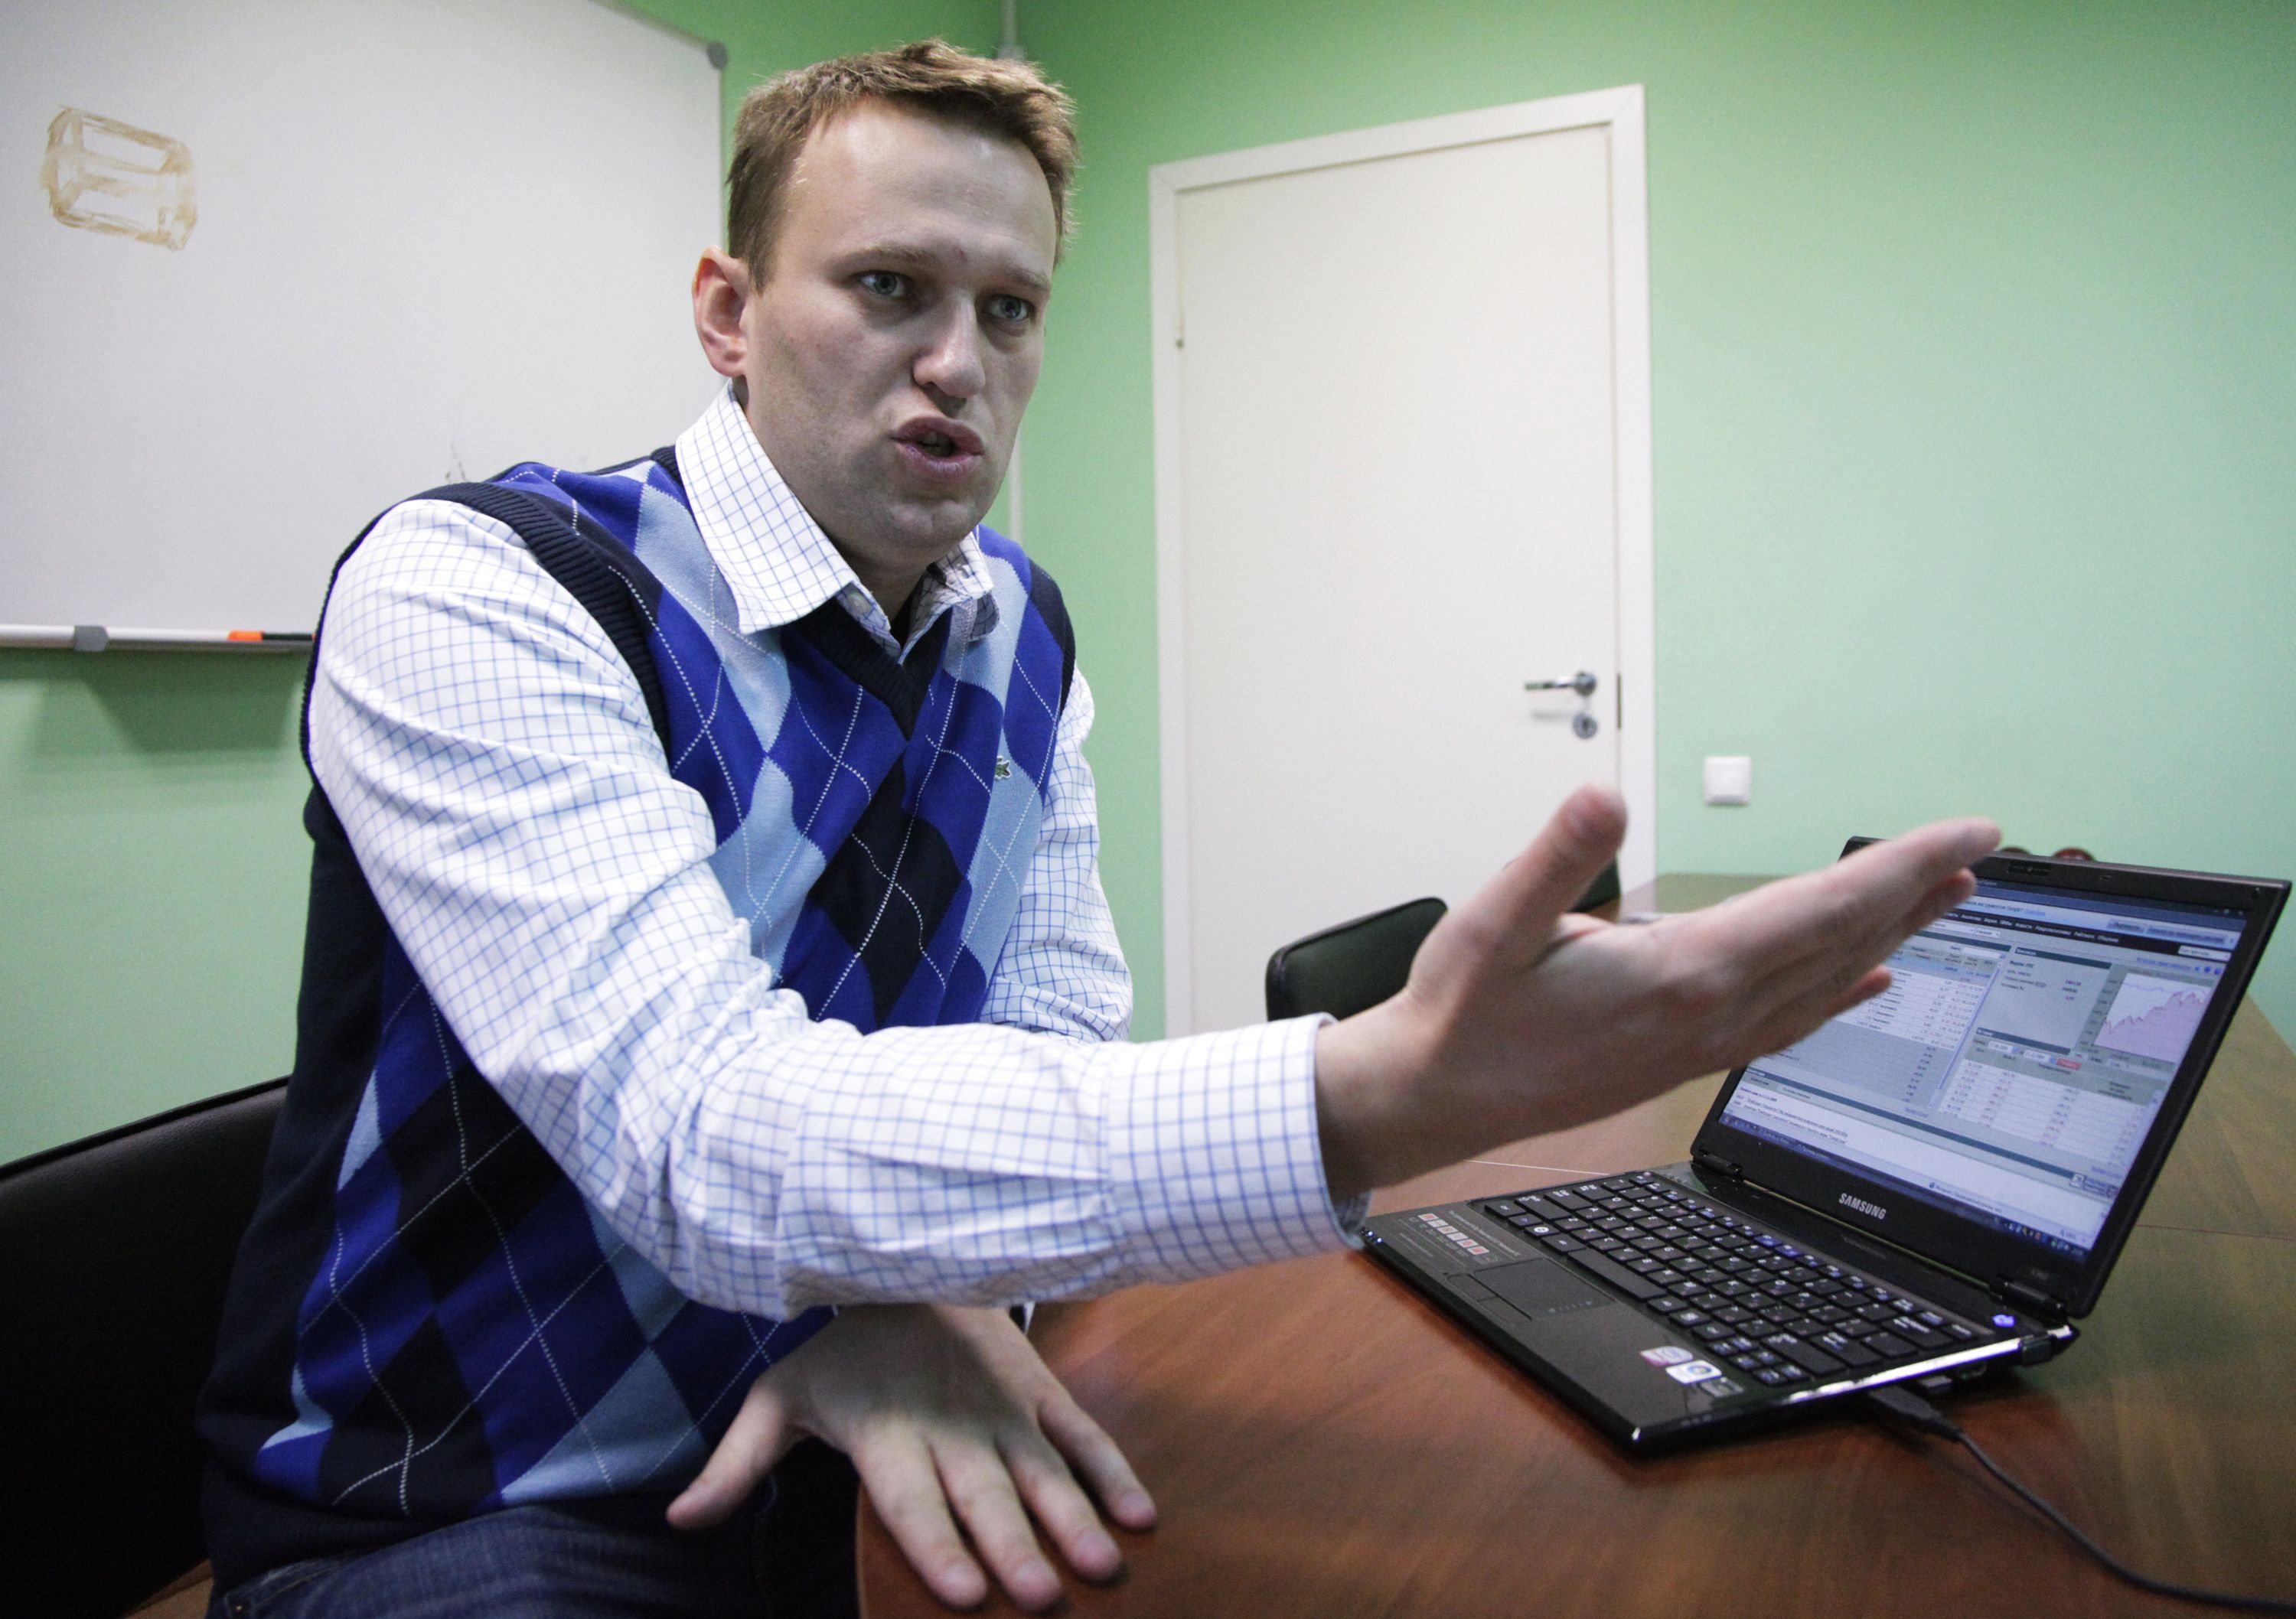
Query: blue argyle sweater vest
(427, 1320)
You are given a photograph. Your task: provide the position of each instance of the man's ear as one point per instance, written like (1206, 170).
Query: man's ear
(721, 293)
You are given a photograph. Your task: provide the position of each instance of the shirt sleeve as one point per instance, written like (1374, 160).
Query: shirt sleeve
(1063, 971)
(492, 762)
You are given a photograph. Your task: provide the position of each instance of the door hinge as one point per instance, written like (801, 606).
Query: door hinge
(1715, 1165)
(2031, 1299)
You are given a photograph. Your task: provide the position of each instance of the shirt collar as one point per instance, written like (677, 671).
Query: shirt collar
(780, 563)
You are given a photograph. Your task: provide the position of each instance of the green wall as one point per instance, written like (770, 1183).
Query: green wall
(1975, 339)
(1974, 330)
(151, 896)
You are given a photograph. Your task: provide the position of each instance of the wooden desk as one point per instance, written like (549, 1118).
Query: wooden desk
(1322, 1442)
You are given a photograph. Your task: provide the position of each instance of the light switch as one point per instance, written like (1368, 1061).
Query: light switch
(1729, 779)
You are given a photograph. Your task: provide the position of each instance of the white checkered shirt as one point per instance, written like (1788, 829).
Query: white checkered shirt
(493, 762)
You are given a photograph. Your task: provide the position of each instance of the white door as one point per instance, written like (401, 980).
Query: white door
(1398, 425)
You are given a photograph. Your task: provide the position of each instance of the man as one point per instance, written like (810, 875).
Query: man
(706, 929)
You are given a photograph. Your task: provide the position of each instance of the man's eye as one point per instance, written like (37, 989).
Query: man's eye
(885, 283)
(1012, 311)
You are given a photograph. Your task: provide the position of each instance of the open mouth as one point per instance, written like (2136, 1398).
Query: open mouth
(941, 443)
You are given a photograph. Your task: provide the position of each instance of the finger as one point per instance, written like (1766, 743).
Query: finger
(1059, 1503)
(760, 1436)
(1883, 929)
(1096, 1459)
(1783, 1029)
(1929, 852)
(1854, 956)
(1794, 997)
(1824, 911)
(1522, 902)
(1795, 1000)
(1844, 953)
(1925, 910)
(904, 1485)
(1872, 984)
(1907, 882)
(1802, 943)
(979, 1487)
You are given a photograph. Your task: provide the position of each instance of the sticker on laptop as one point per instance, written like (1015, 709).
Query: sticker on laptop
(1719, 1387)
(1668, 1354)
(1693, 1371)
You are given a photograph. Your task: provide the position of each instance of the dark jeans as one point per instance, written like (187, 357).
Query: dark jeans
(786, 1554)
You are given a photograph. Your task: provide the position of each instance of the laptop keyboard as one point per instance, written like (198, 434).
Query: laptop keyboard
(1776, 1312)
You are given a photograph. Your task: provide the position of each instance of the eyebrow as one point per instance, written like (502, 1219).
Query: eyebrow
(922, 258)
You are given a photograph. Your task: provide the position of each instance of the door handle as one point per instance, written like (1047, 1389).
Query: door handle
(1583, 724)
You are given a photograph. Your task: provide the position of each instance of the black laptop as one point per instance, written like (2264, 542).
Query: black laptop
(1934, 1186)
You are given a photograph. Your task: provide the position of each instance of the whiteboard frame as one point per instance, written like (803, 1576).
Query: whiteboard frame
(84, 638)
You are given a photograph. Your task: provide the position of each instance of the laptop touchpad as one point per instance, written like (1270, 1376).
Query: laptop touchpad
(1539, 1286)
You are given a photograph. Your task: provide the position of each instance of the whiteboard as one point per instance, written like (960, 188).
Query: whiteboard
(425, 240)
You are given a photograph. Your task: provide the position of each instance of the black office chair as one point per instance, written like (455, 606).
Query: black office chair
(1602, 891)
(1355, 966)
(114, 1255)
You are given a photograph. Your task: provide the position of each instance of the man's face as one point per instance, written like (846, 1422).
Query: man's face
(895, 340)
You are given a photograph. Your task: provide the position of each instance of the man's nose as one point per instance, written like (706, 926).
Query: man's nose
(949, 367)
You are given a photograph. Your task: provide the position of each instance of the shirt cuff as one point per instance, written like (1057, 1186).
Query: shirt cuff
(1216, 1157)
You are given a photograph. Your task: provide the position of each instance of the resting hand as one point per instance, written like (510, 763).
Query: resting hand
(938, 1406)
(1520, 1018)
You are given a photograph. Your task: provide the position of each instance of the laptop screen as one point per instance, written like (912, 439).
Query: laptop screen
(2013, 1070)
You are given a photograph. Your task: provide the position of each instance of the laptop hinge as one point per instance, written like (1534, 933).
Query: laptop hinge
(2029, 1298)
(1715, 1164)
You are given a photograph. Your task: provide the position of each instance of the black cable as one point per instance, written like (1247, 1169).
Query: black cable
(1911, 1409)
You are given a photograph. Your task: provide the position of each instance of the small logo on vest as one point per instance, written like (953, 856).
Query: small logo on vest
(1003, 768)
(1864, 1208)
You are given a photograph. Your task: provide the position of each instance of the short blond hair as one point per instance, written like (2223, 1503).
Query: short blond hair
(1007, 98)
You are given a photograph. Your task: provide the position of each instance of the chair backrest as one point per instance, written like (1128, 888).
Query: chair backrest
(1602, 891)
(114, 1256)
(1346, 969)
(1355, 966)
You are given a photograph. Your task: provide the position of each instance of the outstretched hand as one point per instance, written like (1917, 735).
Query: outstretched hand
(1520, 1017)
(940, 1407)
